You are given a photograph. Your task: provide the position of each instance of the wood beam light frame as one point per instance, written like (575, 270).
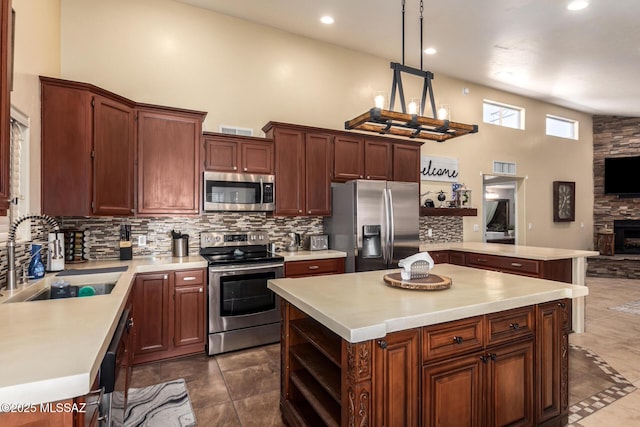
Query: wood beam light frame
(409, 125)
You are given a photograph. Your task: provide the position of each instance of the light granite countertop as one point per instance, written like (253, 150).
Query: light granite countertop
(518, 251)
(311, 255)
(52, 350)
(360, 306)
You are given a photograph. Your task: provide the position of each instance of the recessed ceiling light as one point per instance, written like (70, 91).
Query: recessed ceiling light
(577, 5)
(430, 50)
(327, 20)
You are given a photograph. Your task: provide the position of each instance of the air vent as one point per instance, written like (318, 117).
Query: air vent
(234, 130)
(504, 168)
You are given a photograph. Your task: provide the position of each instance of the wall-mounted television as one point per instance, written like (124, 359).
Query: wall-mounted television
(622, 175)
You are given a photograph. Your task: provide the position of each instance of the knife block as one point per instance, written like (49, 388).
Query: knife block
(126, 251)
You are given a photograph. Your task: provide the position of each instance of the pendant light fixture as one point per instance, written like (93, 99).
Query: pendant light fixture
(411, 122)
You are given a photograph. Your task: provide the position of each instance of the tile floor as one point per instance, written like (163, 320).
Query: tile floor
(242, 388)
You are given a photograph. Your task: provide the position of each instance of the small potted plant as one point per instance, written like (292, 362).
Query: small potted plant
(511, 230)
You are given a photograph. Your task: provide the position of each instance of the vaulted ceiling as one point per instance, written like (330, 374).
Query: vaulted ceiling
(587, 60)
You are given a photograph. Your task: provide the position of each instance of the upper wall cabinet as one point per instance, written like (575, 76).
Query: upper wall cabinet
(89, 157)
(5, 102)
(303, 160)
(237, 154)
(356, 157)
(169, 146)
(88, 142)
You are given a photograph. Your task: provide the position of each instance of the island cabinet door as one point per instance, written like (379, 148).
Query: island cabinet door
(509, 378)
(396, 364)
(550, 346)
(453, 392)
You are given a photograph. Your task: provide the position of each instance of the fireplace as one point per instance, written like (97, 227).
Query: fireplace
(627, 236)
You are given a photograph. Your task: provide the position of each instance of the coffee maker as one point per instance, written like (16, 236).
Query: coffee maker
(55, 252)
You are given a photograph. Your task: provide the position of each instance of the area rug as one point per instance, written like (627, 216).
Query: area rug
(593, 384)
(159, 405)
(632, 307)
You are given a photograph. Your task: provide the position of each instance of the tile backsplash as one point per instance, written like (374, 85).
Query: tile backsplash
(104, 232)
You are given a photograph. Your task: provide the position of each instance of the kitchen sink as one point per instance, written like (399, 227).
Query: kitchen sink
(98, 289)
(79, 285)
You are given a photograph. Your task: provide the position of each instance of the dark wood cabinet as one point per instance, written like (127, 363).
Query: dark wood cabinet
(303, 162)
(6, 69)
(170, 314)
(396, 385)
(348, 158)
(440, 257)
(318, 156)
(552, 348)
(88, 143)
(151, 306)
(225, 153)
(471, 372)
(189, 310)
(378, 157)
(406, 162)
(559, 270)
(318, 267)
(453, 392)
(169, 169)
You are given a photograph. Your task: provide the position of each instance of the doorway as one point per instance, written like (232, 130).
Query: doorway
(499, 204)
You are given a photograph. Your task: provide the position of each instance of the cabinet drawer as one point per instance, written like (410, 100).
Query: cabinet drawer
(507, 264)
(189, 277)
(314, 267)
(450, 339)
(440, 257)
(509, 325)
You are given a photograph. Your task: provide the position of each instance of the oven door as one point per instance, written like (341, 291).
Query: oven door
(238, 192)
(239, 297)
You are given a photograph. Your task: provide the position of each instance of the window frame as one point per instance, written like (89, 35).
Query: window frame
(575, 123)
(520, 110)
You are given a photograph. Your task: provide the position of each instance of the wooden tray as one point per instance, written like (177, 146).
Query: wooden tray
(431, 283)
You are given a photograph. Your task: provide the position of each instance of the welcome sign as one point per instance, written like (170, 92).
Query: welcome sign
(439, 169)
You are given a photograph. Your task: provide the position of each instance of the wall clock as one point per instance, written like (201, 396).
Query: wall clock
(564, 201)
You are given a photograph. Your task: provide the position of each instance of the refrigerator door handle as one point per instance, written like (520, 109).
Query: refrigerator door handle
(385, 228)
(392, 230)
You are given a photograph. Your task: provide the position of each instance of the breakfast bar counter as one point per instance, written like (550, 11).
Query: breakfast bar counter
(493, 347)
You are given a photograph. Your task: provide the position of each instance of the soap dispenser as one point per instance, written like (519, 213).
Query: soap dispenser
(36, 267)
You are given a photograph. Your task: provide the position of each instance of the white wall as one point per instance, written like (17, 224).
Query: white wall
(163, 52)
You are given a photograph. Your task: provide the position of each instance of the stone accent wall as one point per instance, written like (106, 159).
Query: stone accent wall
(613, 136)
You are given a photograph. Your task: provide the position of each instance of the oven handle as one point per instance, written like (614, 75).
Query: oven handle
(241, 268)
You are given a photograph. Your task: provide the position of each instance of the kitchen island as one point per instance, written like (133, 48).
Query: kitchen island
(491, 350)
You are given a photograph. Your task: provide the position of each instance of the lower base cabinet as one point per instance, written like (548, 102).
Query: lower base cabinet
(480, 371)
(170, 314)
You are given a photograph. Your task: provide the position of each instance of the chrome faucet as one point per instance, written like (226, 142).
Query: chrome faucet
(11, 244)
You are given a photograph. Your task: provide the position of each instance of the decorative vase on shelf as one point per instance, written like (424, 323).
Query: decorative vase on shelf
(36, 267)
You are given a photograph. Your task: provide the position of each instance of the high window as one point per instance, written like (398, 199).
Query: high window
(505, 115)
(562, 127)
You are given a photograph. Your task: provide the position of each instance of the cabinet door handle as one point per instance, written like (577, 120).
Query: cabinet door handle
(457, 340)
(382, 344)
(235, 168)
(561, 304)
(514, 326)
(299, 210)
(188, 279)
(368, 176)
(482, 260)
(484, 358)
(309, 212)
(313, 267)
(245, 169)
(493, 356)
(165, 277)
(200, 290)
(516, 264)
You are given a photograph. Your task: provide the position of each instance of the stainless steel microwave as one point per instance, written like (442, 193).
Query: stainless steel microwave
(238, 192)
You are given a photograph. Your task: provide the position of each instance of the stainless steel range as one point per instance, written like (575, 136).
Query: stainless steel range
(243, 312)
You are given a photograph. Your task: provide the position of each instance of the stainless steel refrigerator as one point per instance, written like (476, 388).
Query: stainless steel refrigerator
(374, 222)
